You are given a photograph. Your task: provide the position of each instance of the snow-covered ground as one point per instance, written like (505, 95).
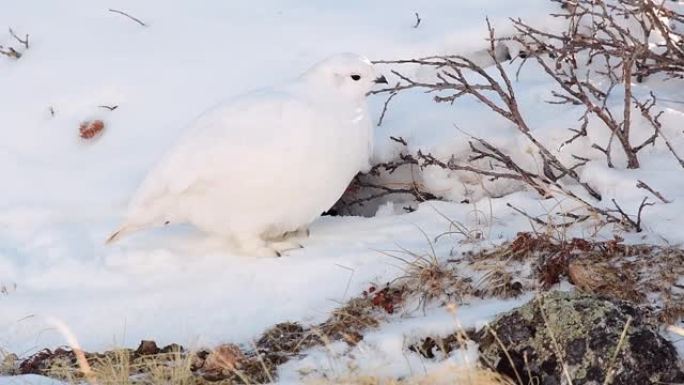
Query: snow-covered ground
(60, 195)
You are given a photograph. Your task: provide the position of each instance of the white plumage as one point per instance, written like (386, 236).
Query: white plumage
(267, 163)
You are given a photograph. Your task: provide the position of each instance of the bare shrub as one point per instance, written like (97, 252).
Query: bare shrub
(618, 42)
(621, 41)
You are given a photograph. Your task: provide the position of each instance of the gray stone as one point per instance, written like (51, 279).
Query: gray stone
(587, 330)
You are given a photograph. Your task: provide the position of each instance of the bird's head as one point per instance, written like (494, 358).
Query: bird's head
(348, 74)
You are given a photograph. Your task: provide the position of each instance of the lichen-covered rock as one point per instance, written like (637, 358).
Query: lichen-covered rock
(586, 330)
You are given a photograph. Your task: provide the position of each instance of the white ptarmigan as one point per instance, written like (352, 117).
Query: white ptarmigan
(267, 163)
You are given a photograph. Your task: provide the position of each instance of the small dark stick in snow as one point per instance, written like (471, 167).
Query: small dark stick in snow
(418, 20)
(643, 185)
(128, 16)
(24, 41)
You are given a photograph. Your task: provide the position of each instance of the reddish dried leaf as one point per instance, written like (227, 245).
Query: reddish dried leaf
(90, 129)
(387, 299)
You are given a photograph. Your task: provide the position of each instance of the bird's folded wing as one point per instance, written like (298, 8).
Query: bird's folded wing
(228, 141)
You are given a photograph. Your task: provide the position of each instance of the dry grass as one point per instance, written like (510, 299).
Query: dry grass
(149, 365)
(119, 367)
(428, 279)
(644, 274)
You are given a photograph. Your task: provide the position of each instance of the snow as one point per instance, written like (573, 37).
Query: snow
(30, 379)
(189, 291)
(61, 196)
(384, 352)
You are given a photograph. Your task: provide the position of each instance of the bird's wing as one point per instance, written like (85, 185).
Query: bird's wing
(229, 141)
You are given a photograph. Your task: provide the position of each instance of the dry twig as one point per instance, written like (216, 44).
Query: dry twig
(128, 16)
(24, 41)
(418, 20)
(643, 185)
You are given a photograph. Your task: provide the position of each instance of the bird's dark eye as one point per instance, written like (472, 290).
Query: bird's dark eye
(356, 77)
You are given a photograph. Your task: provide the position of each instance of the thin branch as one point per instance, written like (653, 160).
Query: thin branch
(385, 105)
(128, 16)
(642, 206)
(636, 225)
(528, 216)
(418, 20)
(24, 41)
(641, 184)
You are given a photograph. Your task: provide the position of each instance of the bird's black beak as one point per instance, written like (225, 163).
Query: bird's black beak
(381, 80)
